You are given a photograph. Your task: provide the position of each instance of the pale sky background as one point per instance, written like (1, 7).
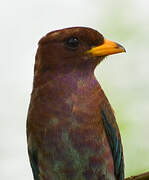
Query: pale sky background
(124, 77)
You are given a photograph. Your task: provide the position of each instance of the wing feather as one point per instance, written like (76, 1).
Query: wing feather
(34, 164)
(114, 140)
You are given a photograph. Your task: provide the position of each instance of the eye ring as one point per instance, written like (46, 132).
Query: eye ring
(72, 42)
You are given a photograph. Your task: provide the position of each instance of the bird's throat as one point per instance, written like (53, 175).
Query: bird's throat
(70, 77)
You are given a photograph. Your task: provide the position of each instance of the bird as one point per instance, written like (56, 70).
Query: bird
(72, 133)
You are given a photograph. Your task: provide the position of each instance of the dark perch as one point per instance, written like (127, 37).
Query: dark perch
(144, 176)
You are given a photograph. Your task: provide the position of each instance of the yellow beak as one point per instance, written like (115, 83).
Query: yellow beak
(107, 48)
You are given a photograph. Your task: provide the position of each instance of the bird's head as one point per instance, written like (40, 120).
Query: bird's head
(73, 46)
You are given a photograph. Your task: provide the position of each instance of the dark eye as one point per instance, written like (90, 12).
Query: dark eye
(72, 42)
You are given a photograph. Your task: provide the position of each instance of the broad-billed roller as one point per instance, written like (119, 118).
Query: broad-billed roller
(72, 132)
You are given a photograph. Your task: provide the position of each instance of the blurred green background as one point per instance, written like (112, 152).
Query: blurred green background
(124, 77)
